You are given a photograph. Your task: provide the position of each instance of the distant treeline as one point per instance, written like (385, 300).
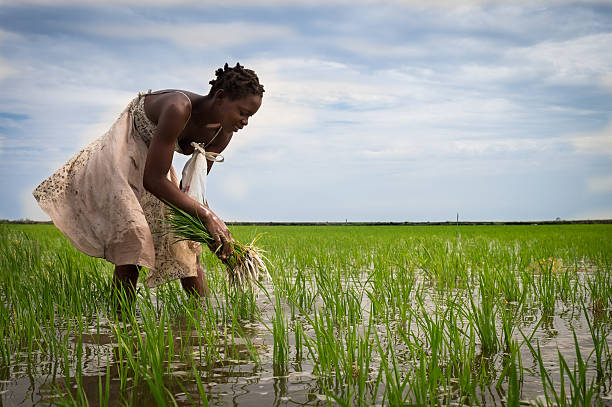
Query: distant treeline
(26, 222)
(447, 223)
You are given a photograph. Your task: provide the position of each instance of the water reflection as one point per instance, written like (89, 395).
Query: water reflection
(230, 375)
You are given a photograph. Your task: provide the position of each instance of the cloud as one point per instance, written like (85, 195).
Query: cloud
(606, 80)
(6, 70)
(199, 36)
(332, 114)
(490, 147)
(601, 213)
(4, 35)
(579, 60)
(446, 4)
(461, 94)
(599, 143)
(61, 120)
(554, 55)
(600, 184)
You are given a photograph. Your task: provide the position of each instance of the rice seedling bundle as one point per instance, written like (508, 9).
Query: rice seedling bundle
(246, 263)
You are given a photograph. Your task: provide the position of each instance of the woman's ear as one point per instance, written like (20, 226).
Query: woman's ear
(219, 95)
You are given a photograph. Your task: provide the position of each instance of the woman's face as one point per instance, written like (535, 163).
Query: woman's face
(234, 114)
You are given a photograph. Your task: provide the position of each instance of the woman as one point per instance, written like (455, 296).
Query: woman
(108, 199)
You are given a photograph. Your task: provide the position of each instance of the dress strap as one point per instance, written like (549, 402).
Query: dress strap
(161, 92)
(210, 156)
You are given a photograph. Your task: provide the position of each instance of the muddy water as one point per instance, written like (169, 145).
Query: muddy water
(235, 380)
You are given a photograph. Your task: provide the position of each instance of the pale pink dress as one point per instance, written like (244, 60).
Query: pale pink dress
(98, 201)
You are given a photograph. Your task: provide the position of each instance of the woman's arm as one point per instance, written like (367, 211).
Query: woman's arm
(171, 122)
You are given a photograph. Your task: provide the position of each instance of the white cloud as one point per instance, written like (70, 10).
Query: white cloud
(445, 108)
(487, 147)
(167, 3)
(63, 119)
(595, 214)
(595, 143)
(4, 35)
(199, 36)
(321, 83)
(600, 184)
(489, 74)
(606, 80)
(336, 115)
(576, 61)
(373, 48)
(276, 122)
(580, 60)
(446, 4)
(6, 70)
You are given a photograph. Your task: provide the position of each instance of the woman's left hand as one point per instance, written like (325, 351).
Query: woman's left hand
(223, 244)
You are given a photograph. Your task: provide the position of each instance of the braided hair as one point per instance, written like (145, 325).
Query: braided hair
(237, 82)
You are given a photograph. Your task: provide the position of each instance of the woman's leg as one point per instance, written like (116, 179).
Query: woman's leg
(124, 283)
(196, 285)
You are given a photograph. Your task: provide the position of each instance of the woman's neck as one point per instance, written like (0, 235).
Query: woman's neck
(202, 110)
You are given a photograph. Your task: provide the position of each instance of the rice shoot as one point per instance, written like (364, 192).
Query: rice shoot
(245, 264)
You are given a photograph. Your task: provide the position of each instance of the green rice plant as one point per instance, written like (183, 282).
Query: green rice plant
(201, 390)
(566, 286)
(146, 339)
(344, 286)
(298, 332)
(246, 261)
(364, 347)
(461, 344)
(600, 289)
(323, 348)
(396, 380)
(513, 371)
(509, 320)
(581, 392)
(281, 339)
(329, 289)
(545, 287)
(601, 347)
(445, 265)
(513, 394)
(483, 317)
(425, 384)
(299, 291)
(104, 389)
(241, 302)
(509, 285)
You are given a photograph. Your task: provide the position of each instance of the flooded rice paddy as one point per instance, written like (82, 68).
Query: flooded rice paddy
(353, 315)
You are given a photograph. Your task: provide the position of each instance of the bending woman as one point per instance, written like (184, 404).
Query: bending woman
(108, 198)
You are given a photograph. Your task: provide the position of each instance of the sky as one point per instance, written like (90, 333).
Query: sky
(372, 111)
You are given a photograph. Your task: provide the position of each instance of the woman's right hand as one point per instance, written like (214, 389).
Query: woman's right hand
(223, 244)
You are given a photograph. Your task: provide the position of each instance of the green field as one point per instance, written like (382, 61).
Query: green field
(353, 315)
